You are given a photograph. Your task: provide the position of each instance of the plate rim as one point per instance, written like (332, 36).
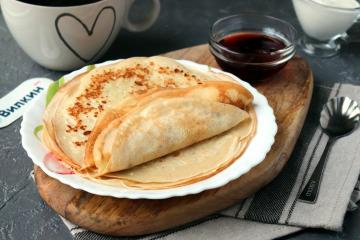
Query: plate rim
(190, 189)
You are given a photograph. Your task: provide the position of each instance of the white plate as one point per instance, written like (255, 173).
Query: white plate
(253, 155)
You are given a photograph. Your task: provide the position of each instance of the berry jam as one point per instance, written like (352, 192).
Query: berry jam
(248, 53)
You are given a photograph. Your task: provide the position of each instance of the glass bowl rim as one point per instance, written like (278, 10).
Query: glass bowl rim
(241, 15)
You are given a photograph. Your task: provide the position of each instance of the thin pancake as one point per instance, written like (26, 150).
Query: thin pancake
(188, 165)
(104, 88)
(216, 91)
(159, 128)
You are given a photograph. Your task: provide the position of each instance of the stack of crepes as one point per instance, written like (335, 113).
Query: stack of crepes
(149, 123)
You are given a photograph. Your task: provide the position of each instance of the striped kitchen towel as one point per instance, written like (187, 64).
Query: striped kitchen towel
(276, 209)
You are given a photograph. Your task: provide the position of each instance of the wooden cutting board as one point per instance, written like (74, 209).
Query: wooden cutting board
(288, 92)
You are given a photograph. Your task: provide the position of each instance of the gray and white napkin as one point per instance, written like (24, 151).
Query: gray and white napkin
(275, 210)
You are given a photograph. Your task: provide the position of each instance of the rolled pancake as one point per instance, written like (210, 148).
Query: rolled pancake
(161, 127)
(188, 165)
(71, 121)
(211, 91)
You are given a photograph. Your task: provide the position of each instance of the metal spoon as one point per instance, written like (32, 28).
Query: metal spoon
(339, 117)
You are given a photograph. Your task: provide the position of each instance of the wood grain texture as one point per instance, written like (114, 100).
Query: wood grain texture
(288, 92)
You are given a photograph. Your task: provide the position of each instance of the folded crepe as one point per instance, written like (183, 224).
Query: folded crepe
(149, 123)
(188, 165)
(163, 122)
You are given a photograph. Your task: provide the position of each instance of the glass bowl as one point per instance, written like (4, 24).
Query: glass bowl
(253, 59)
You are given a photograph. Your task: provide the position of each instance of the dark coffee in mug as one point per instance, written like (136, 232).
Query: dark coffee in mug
(59, 3)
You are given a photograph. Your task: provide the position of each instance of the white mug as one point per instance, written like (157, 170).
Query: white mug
(65, 38)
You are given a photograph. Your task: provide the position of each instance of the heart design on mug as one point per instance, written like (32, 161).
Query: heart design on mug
(79, 36)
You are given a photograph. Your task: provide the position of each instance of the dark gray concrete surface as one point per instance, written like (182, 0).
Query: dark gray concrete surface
(183, 23)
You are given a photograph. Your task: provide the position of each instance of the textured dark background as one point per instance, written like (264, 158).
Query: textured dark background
(183, 23)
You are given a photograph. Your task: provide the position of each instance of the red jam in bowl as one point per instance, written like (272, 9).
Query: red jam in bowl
(250, 55)
(260, 45)
(252, 46)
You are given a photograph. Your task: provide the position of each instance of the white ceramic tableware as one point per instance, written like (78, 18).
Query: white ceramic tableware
(324, 21)
(66, 38)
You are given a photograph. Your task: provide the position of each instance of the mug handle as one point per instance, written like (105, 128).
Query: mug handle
(147, 22)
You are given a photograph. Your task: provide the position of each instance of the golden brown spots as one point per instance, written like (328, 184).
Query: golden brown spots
(170, 83)
(79, 143)
(87, 133)
(162, 70)
(101, 108)
(138, 82)
(94, 91)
